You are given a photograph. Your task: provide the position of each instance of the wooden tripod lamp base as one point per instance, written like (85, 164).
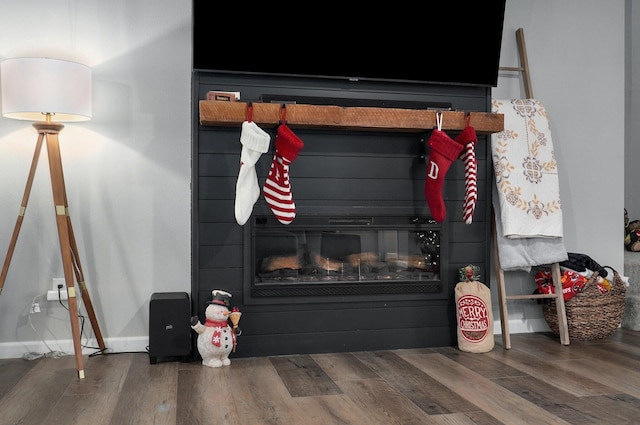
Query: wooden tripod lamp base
(70, 259)
(60, 91)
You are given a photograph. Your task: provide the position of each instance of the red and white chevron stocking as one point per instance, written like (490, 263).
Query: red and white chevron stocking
(468, 139)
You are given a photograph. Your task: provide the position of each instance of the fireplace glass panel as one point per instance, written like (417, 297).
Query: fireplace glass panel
(322, 251)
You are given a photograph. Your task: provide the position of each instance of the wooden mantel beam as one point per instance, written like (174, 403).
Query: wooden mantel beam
(222, 113)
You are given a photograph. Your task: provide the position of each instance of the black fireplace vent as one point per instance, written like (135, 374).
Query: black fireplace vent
(425, 287)
(350, 221)
(359, 102)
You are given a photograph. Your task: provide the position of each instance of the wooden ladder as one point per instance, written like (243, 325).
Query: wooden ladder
(503, 297)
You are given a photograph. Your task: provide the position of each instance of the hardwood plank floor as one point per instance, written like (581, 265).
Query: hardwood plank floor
(537, 382)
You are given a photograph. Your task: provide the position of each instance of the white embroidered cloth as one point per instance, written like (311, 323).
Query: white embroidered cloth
(526, 171)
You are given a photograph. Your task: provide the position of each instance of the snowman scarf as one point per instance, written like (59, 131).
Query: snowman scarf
(218, 326)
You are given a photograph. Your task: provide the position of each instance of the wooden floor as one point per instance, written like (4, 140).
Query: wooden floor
(537, 382)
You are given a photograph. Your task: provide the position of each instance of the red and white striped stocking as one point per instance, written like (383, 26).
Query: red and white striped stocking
(277, 188)
(468, 139)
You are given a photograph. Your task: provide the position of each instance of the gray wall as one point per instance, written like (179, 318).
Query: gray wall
(128, 170)
(632, 102)
(576, 58)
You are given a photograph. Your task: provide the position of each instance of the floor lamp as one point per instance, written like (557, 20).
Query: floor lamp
(51, 91)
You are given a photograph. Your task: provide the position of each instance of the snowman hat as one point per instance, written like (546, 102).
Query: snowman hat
(220, 297)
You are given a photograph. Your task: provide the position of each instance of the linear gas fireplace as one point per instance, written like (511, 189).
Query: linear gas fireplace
(363, 266)
(343, 256)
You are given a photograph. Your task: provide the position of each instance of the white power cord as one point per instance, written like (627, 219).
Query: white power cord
(32, 355)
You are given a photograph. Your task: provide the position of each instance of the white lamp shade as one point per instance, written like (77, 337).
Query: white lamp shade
(33, 87)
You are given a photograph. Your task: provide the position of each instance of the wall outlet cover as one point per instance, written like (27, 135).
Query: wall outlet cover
(57, 281)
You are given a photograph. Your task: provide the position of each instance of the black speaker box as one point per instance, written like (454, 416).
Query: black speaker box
(169, 327)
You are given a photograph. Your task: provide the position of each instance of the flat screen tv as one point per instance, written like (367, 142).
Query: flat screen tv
(447, 42)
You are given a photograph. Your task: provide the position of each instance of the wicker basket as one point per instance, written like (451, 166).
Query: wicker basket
(591, 314)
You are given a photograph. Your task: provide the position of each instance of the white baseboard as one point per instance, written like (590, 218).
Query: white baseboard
(522, 326)
(14, 350)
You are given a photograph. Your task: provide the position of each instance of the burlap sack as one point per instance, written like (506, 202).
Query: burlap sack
(475, 319)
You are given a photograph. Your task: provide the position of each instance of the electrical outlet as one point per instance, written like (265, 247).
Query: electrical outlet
(35, 308)
(54, 296)
(57, 281)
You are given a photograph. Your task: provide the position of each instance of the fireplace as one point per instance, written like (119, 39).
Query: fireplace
(362, 266)
(362, 257)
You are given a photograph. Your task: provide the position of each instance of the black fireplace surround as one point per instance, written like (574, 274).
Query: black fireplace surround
(363, 266)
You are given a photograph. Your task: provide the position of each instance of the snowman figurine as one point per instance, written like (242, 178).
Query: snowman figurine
(216, 339)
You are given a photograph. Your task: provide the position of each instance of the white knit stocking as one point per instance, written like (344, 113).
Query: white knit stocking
(255, 141)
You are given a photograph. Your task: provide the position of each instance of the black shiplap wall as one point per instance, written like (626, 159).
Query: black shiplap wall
(337, 172)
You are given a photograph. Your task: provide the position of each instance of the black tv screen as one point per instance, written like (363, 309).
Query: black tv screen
(447, 42)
